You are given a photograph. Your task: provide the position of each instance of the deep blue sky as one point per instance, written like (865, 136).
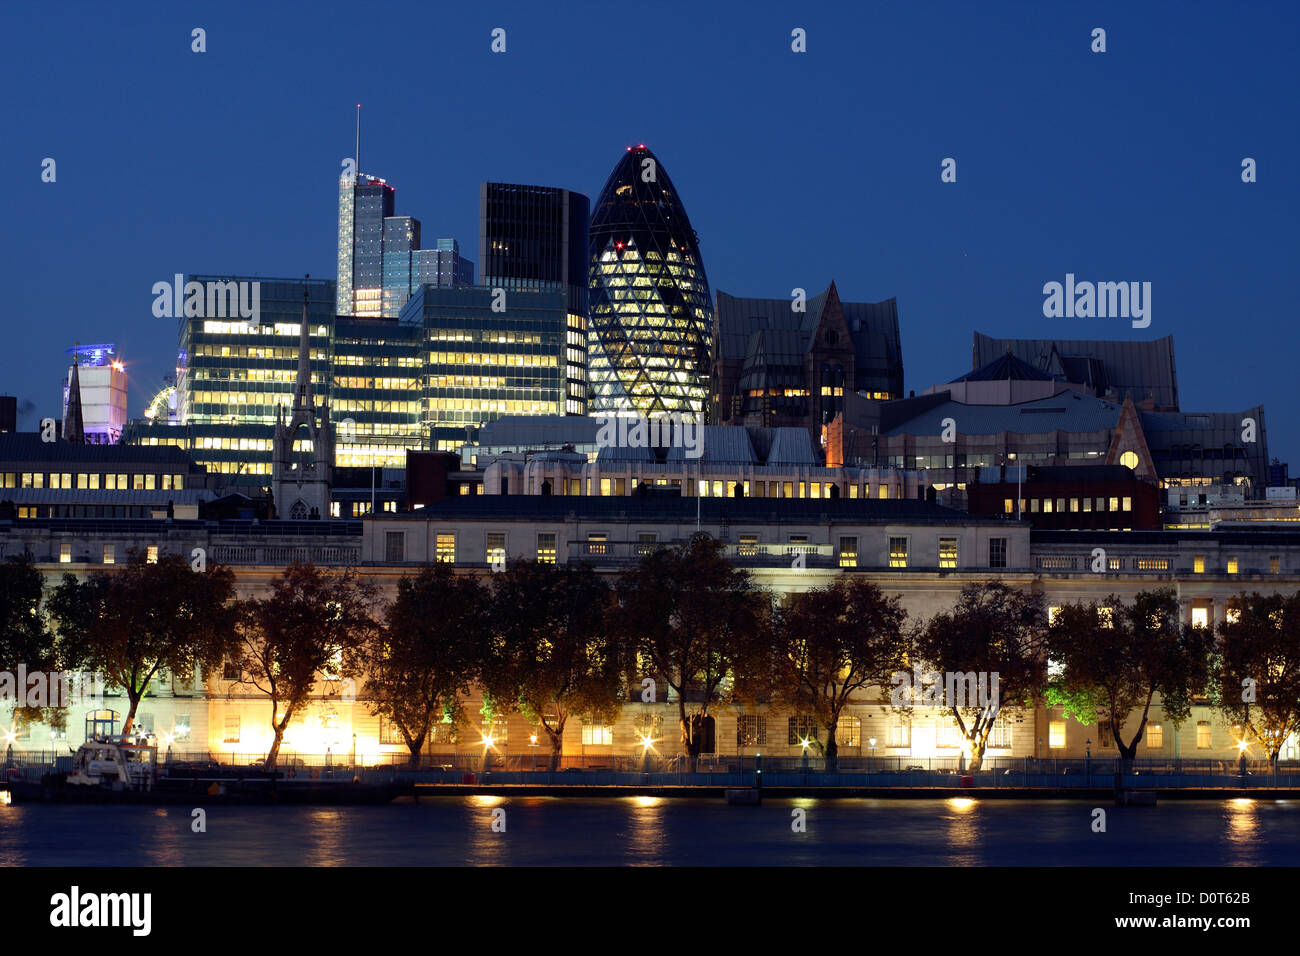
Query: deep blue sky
(794, 168)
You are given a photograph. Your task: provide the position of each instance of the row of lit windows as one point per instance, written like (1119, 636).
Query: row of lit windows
(378, 407)
(255, 352)
(494, 358)
(487, 336)
(359, 381)
(93, 481)
(1047, 505)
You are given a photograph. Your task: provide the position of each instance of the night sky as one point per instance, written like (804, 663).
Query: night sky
(795, 168)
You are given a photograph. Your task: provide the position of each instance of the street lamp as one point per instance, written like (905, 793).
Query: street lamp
(805, 743)
(532, 746)
(872, 742)
(1087, 758)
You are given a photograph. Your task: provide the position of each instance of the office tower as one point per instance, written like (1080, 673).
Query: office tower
(380, 261)
(535, 238)
(651, 331)
(102, 393)
(364, 203)
(488, 354)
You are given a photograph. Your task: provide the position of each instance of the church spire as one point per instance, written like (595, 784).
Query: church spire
(73, 428)
(302, 391)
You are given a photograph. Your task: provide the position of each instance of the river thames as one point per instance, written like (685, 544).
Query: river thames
(655, 831)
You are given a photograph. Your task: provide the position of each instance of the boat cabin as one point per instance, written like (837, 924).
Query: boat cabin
(119, 764)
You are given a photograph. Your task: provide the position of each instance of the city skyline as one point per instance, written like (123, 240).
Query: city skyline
(960, 257)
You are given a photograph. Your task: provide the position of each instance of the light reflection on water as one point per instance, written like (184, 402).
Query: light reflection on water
(658, 831)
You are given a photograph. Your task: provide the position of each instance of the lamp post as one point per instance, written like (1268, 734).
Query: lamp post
(532, 747)
(872, 759)
(1087, 758)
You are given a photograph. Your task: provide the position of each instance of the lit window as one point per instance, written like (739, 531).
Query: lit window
(496, 548)
(751, 731)
(849, 732)
(1232, 565)
(597, 735)
(1155, 737)
(1052, 614)
(1203, 735)
(947, 552)
(1128, 504)
(1200, 617)
(1008, 506)
(800, 728)
(1114, 504)
(1274, 564)
(1056, 734)
(1129, 460)
(848, 552)
(151, 554)
(1232, 615)
(596, 542)
(898, 552)
(748, 546)
(65, 554)
(446, 547)
(1198, 564)
(546, 548)
(109, 554)
(231, 735)
(898, 733)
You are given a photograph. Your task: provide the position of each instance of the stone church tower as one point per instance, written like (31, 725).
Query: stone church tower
(301, 488)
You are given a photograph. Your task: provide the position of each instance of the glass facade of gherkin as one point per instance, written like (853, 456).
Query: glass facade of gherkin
(651, 326)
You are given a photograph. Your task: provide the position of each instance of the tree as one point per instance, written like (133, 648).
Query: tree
(144, 618)
(832, 642)
(992, 636)
(422, 661)
(1257, 668)
(298, 635)
(25, 635)
(551, 653)
(1115, 657)
(690, 615)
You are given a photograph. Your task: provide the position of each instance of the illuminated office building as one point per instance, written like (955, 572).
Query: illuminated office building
(534, 238)
(651, 332)
(380, 261)
(487, 355)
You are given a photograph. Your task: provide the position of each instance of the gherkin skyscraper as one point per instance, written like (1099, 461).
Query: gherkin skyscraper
(651, 313)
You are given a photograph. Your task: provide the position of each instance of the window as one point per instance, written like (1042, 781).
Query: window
(109, 554)
(1008, 506)
(748, 546)
(947, 734)
(1001, 734)
(1232, 565)
(498, 731)
(848, 552)
(596, 541)
(496, 548)
(647, 542)
(1101, 504)
(1074, 504)
(1198, 564)
(1200, 617)
(1129, 460)
(394, 546)
(443, 733)
(997, 552)
(1153, 564)
(898, 552)
(947, 552)
(1274, 564)
(446, 547)
(1033, 505)
(389, 732)
(1114, 504)
(898, 733)
(1087, 504)
(849, 732)
(800, 727)
(597, 735)
(546, 548)
(231, 735)
(151, 554)
(1155, 736)
(65, 554)
(751, 731)
(1127, 503)
(1056, 734)
(1052, 614)
(1203, 735)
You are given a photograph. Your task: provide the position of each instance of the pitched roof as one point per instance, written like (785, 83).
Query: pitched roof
(1068, 411)
(1004, 367)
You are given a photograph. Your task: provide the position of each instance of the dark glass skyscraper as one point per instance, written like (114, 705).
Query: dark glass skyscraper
(651, 311)
(534, 238)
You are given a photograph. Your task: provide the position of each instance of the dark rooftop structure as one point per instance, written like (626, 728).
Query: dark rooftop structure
(1143, 370)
